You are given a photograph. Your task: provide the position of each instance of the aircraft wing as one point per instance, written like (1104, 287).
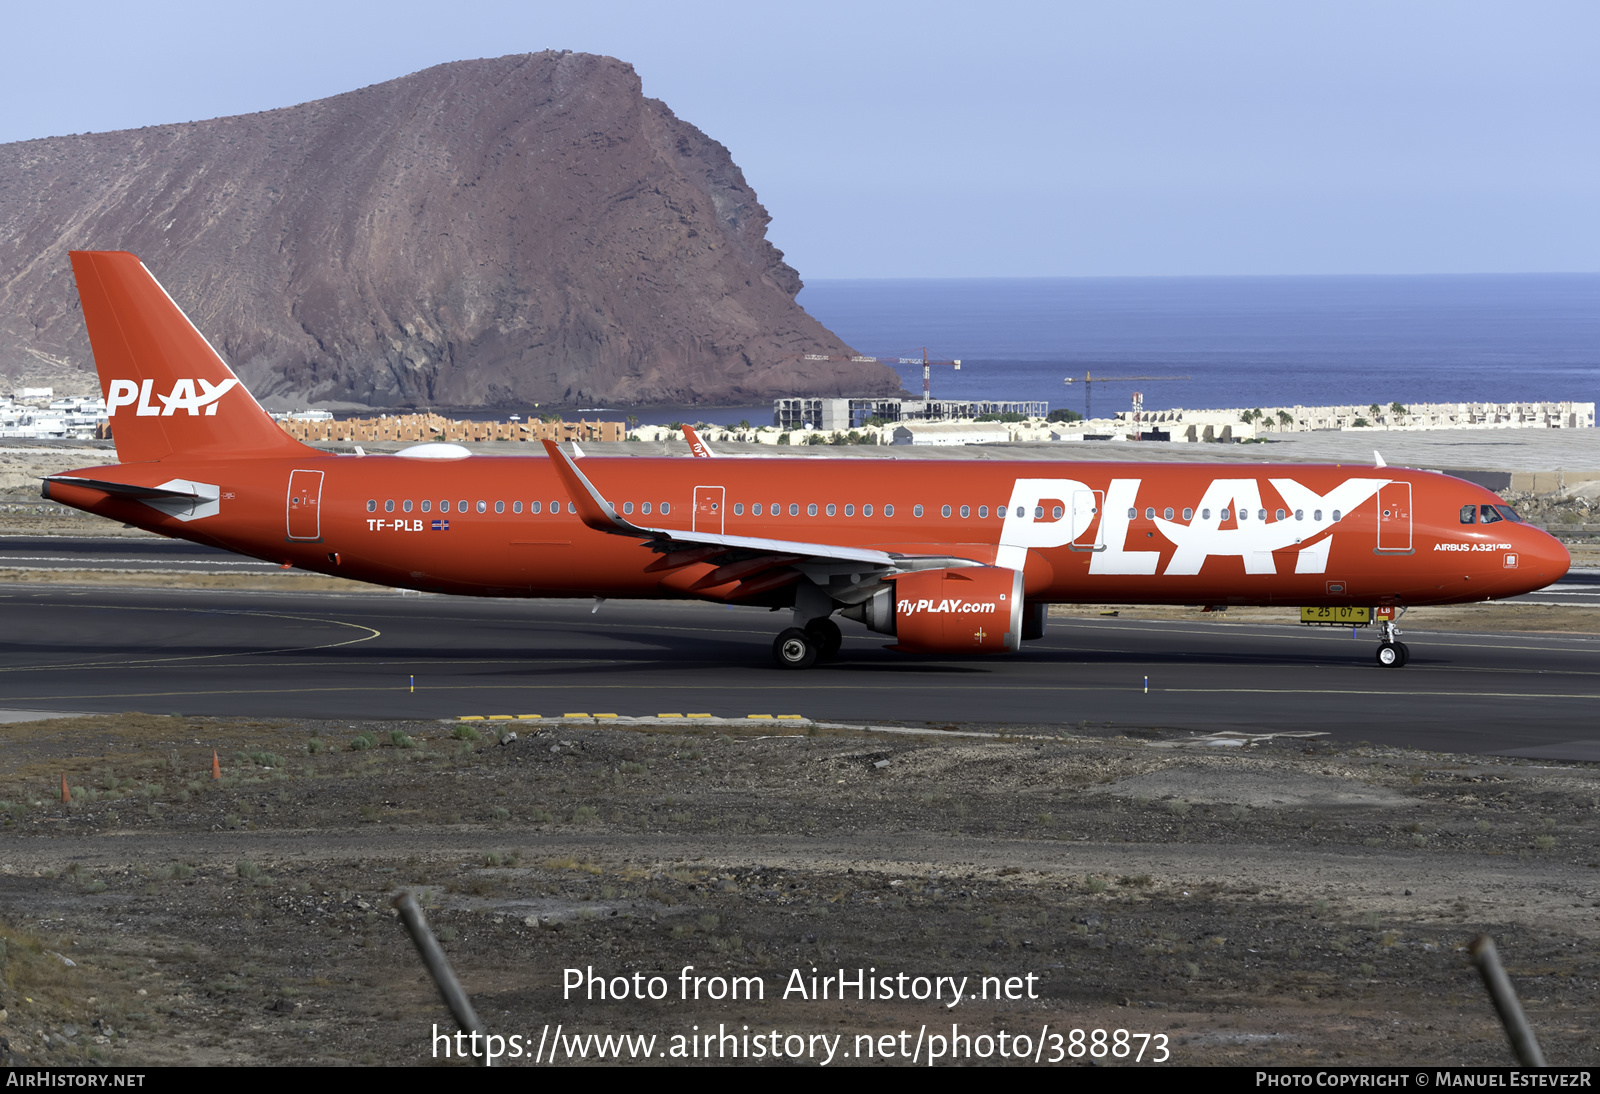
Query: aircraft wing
(599, 514)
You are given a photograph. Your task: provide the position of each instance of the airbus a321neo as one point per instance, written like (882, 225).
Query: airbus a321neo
(947, 557)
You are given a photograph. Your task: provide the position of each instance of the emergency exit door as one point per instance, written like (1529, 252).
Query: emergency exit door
(1087, 531)
(305, 505)
(708, 515)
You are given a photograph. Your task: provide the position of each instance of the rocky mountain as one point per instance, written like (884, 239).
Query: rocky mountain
(528, 229)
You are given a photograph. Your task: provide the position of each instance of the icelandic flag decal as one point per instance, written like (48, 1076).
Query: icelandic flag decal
(441, 526)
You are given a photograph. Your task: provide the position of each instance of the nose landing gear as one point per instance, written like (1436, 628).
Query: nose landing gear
(1392, 654)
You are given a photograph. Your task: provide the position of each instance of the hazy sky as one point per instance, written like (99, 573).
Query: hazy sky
(997, 139)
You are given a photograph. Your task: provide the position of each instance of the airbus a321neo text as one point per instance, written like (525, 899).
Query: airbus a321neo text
(947, 557)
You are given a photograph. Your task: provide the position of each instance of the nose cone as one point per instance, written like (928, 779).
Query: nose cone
(1542, 559)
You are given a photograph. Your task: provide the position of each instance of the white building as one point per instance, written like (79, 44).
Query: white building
(948, 433)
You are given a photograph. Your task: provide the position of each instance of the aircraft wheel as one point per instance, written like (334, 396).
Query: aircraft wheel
(1389, 655)
(1405, 653)
(795, 649)
(828, 637)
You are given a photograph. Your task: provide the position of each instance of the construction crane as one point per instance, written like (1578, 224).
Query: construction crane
(927, 365)
(1090, 379)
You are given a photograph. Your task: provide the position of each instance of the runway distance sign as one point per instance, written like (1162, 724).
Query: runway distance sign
(1336, 617)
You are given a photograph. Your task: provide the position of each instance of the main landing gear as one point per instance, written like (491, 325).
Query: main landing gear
(800, 648)
(1392, 654)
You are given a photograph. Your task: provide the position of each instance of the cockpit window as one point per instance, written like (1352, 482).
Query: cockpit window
(1488, 515)
(1508, 513)
(1469, 514)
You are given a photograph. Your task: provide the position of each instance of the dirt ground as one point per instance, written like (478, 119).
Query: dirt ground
(1282, 900)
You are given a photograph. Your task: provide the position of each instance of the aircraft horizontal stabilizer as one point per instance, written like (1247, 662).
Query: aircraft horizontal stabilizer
(124, 489)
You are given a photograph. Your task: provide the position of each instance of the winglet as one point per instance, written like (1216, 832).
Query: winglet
(697, 447)
(1377, 460)
(593, 510)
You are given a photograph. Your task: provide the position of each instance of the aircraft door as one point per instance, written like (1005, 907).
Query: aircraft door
(1086, 527)
(1394, 517)
(708, 516)
(305, 505)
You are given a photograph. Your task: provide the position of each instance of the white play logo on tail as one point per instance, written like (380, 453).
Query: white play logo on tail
(183, 397)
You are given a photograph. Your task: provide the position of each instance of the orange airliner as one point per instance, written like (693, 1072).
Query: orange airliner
(947, 557)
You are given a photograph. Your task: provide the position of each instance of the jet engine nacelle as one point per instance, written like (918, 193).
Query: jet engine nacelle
(974, 609)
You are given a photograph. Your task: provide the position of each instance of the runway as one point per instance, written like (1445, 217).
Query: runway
(359, 656)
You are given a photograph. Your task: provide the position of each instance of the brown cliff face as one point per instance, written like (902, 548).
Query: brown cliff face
(483, 233)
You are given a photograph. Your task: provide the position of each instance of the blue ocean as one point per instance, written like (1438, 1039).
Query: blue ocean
(1243, 341)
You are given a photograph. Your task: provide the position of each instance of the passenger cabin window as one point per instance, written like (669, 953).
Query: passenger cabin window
(794, 509)
(644, 507)
(866, 510)
(1336, 516)
(406, 505)
(372, 507)
(666, 507)
(516, 506)
(427, 505)
(1188, 514)
(916, 510)
(888, 511)
(627, 507)
(1281, 515)
(1224, 514)
(462, 507)
(1132, 513)
(533, 507)
(483, 507)
(849, 510)
(388, 506)
(499, 507)
(811, 510)
(755, 510)
(738, 508)
(1167, 513)
(983, 512)
(944, 512)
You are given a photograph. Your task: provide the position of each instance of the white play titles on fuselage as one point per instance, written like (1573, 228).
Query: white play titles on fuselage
(1230, 521)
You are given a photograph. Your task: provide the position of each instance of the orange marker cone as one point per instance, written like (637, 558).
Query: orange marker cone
(66, 795)
(216, 766)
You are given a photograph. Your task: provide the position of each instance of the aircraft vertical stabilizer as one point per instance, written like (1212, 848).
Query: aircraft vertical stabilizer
(167, 391)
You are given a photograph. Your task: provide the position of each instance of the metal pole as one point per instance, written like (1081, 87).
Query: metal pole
(439, 968)
(1504, 997)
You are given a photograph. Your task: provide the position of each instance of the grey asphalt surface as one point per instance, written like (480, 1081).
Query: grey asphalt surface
(316, 656)
(122, 553)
